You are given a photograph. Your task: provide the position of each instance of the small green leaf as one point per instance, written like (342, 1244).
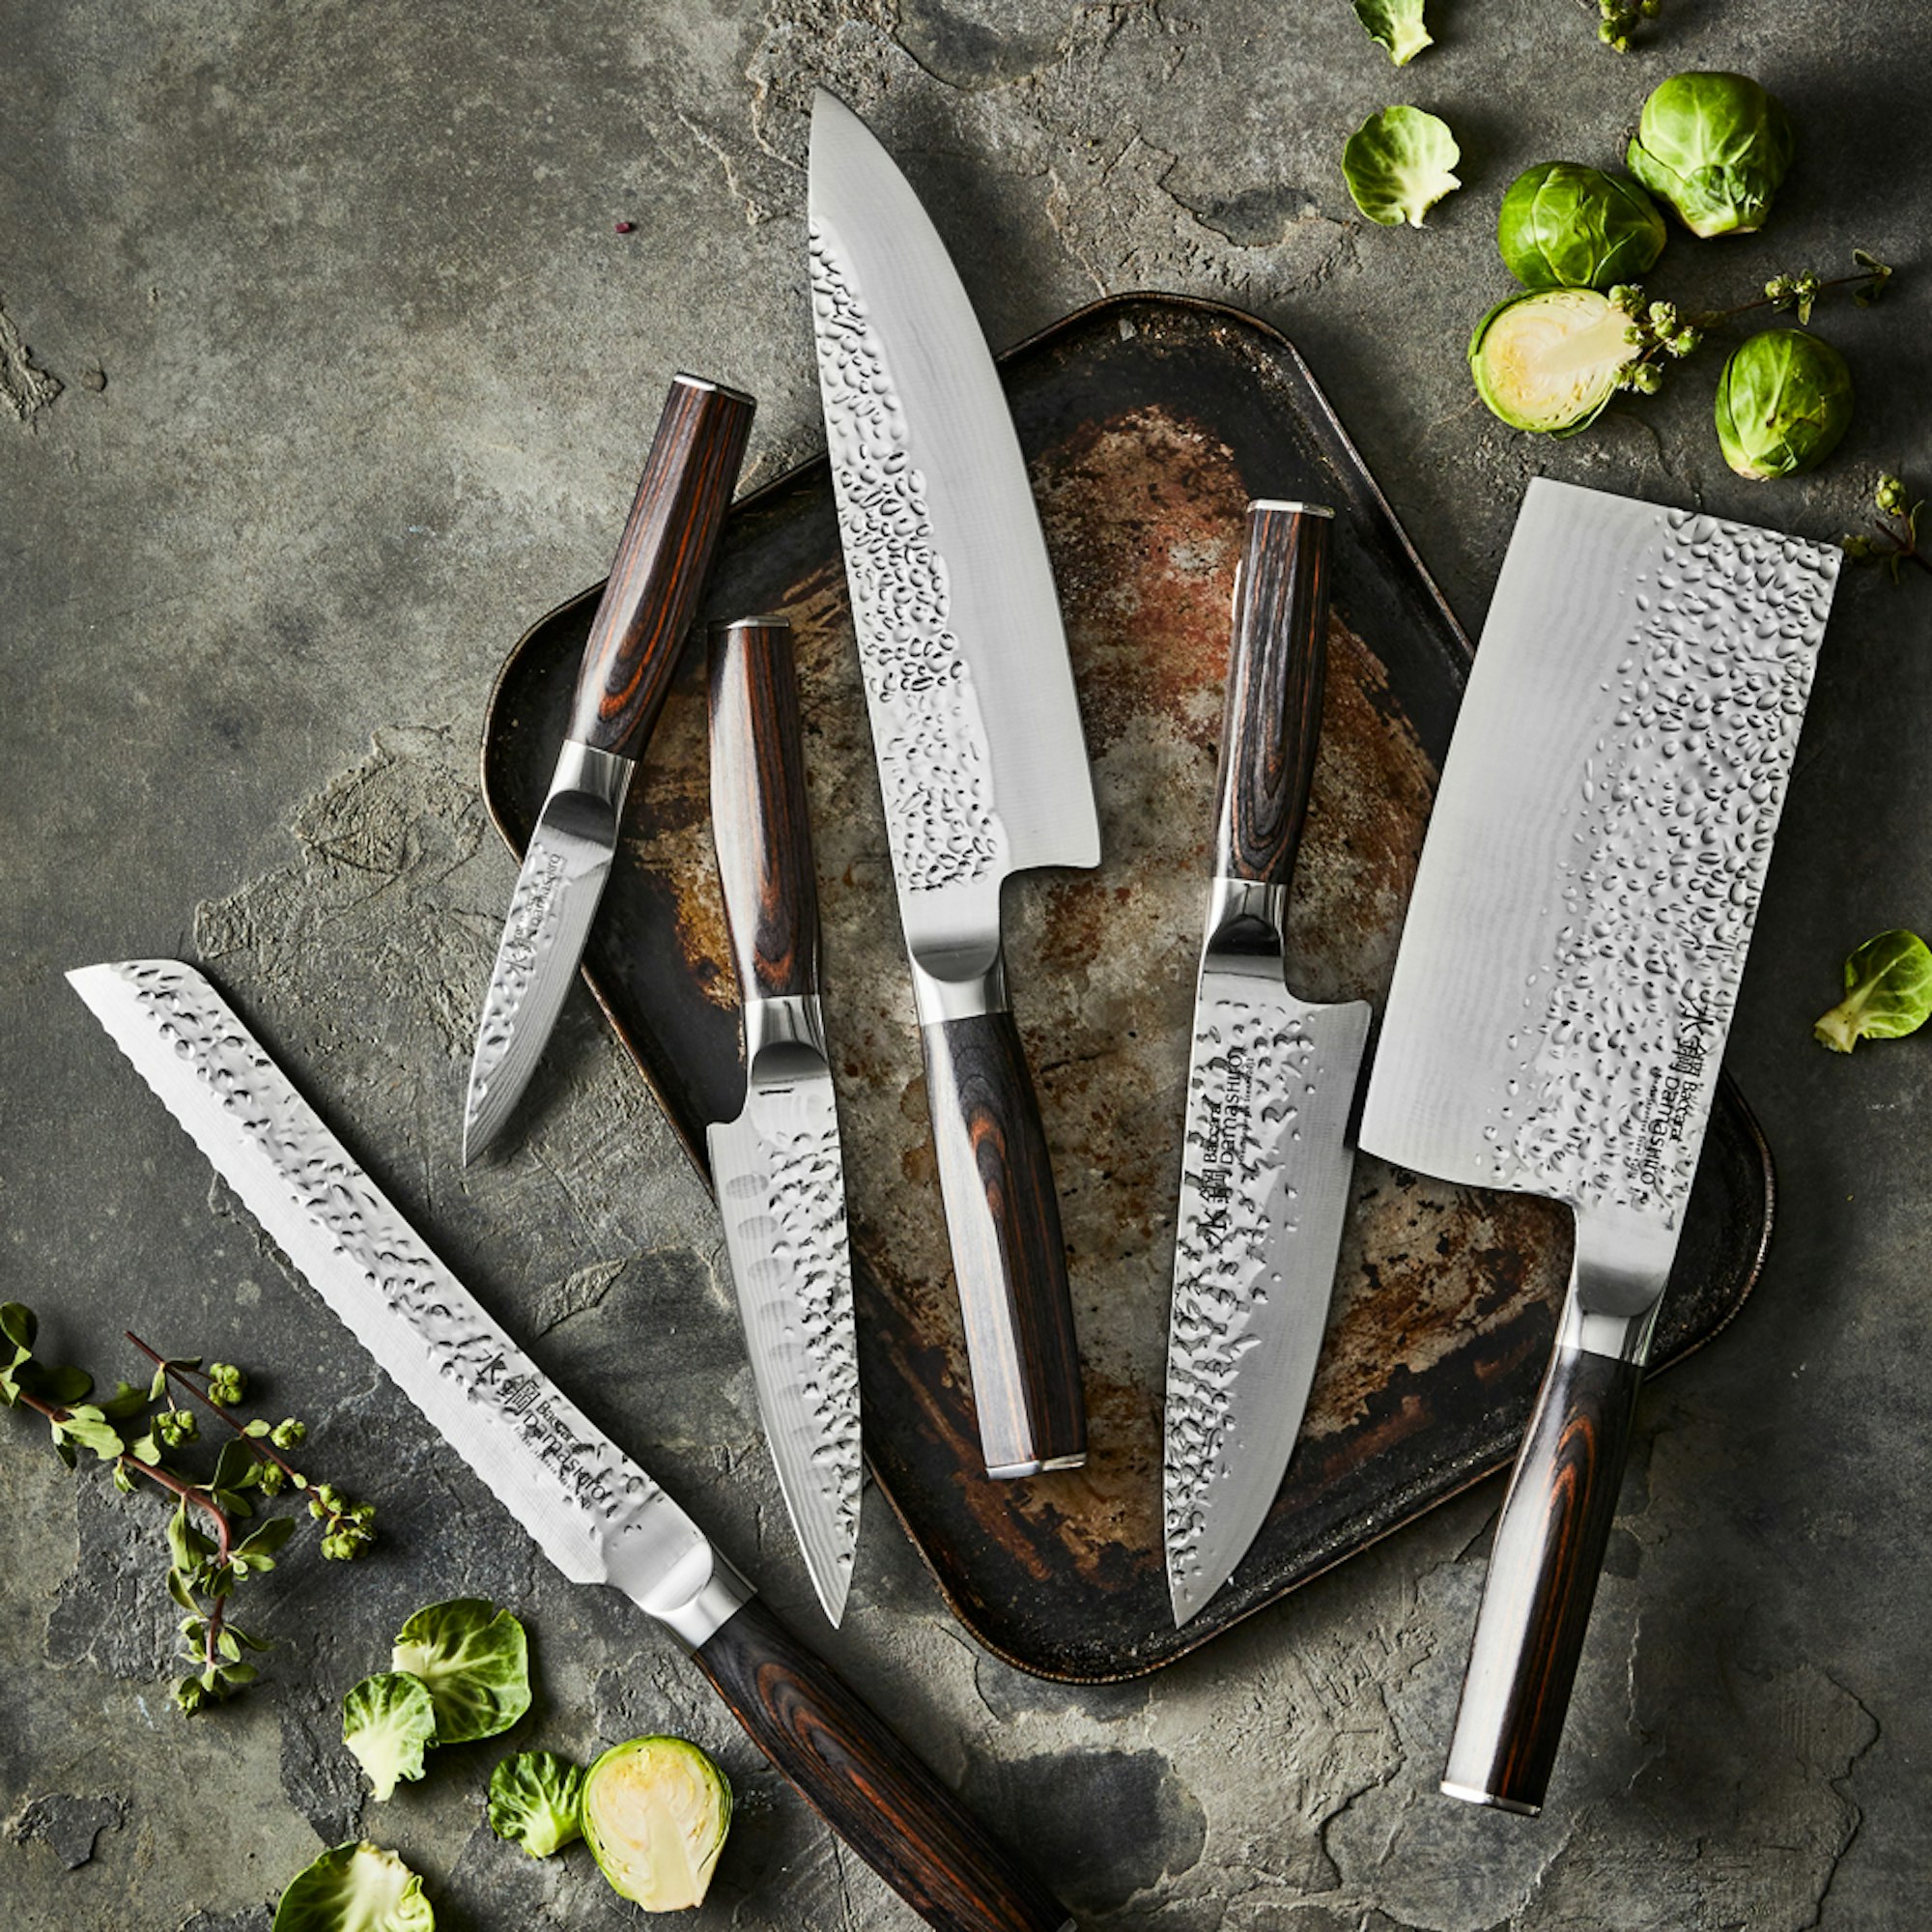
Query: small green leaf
(389, 1722)
(62, 1386)
(226, 1645)
(235, 1675)
(266, 1539)
(65, 1449)
(534, 1798)
(258, 1428)
(19, 1325)
(126, 1401)
(1396, 25)
(178, 1589)
(355, 1888)
(1888, 993)
(252, 1642)
(158, 1387)
(145, 1449)
(88, 1428)
(475, 1661)
(234, 1464)
(1399, 164)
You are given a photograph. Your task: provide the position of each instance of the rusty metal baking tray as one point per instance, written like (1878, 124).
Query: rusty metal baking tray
(1147, 422)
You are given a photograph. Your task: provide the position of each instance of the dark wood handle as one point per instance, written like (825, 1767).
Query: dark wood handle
(1009, 1256)
(759, 820)
(662, 561)
(1273, 716)
(866, 1785)
(1543, 1576)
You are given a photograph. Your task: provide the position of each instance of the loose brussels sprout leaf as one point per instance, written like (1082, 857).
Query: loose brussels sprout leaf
(1548, 360)
(1398, 165)
(1397, 25)
(1564, 226)
(1714, 145)
(655, 1812)
(355, 1887)
(389, 1722)
(477, 1662)
(533, 1802)
(1783, 402)
(1888, 993)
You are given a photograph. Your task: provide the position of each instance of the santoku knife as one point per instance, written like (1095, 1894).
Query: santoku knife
(1565, 986)
(976, 734)
(636, 637)
(777, 1169)
(1265, 1160)
(595, 1513)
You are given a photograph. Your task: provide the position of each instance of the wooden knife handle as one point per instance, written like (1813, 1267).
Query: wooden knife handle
(866, 1785)
(1008, 1255)
(663, 558)
(1543, 1576)
(760, 821)
(1273, 716)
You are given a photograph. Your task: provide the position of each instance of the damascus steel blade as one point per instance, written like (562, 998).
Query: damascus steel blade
(974, 724)
(781, 1191)
(596, 1515)
(556, 900)
(1264, 1197)
(1591, 875)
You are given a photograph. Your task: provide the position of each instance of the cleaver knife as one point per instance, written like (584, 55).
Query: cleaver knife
(1271, 1081)
(636, 636)
(1565, 985)
(777, 1168)
(594, 1512)
(976, 730)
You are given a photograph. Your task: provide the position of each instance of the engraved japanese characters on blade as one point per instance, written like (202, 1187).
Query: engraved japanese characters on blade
(579, 1470)
(1670, 837)
(931, 740)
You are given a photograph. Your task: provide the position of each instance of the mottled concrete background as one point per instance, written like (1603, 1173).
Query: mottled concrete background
(324, 373)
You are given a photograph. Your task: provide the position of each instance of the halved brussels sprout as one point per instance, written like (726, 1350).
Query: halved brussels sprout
(655, 1812)
(1549, 359)
(1714, 145)
(1565, 226)
(1783, 402)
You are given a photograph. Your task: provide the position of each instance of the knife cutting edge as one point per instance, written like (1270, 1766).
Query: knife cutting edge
(636, 636)
(1565, 985)
(777, 1168)
(1265, 1163)
(976, 730)
(595, 1513)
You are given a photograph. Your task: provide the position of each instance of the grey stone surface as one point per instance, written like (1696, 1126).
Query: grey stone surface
(324, 374)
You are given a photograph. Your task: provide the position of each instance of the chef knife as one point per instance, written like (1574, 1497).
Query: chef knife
(976, 730)
(1566, 983)
(636, 637)
(595, 1513)
(779, 1179)
(1271, 1081)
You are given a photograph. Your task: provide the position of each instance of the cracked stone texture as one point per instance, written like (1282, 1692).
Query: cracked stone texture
(324, 375)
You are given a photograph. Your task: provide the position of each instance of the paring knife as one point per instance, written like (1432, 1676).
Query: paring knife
(636, 637)
(977, 733)
(777, 1169)
(595, 1513)
(1565, 986)
(1271, 1082)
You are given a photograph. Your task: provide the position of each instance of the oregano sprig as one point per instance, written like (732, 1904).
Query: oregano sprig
(212, 1546)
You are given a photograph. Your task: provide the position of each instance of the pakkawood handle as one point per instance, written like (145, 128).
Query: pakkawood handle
(760, 822)
(1009, 1256)
(1543, 1576)
(866, 1785)
(1273, 716)
(663, 558)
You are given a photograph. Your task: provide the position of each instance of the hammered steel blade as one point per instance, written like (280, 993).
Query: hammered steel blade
(556, 900)
(1576, 939)
(976, 728)
(781, 1191)
(596, 1515)
(1264, 1196)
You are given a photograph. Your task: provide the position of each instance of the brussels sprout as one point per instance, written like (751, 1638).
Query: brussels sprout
(655, 1812)
(1396, 25)
(475, 1662)
(389, 1722)
(1783, 402)
(1564, 226)
(1714, 145)
(355, 1888)
(1398, 165)
(1549, 359)
(1888, 993)
(533, 1802)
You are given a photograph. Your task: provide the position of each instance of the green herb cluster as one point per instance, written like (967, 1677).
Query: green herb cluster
(214, 1542)
(1894, 537)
